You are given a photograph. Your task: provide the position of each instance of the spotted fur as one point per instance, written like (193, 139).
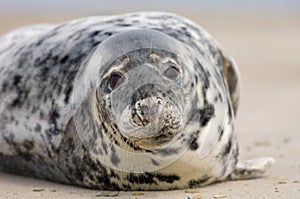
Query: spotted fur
(39, 116)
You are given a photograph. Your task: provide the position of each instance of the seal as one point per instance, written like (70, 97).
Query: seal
(141, 101)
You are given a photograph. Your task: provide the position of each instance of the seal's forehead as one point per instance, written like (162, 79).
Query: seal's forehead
(125, 42)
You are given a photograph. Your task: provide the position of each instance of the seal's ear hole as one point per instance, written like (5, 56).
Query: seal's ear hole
(115, 80)
(172, 73)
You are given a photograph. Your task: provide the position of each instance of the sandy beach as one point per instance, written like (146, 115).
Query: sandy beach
(266, 49)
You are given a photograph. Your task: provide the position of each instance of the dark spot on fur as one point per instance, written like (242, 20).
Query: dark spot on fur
(114, 157)
(216, 99)
(20, 89)
(9, 139)
(95, 33)
(220, 97)
(34, 109)
(168, 151)
(28, 145)
(124, 24)
(194, 145)
(167, 178)
(44, 73)
(15, 102)
(199, 182)
(64, 59)
(41, 115)
(53, 116)
(150, 178)
(227, 148)
(221, 130)
(108, 33)
(229, 111)
(141, 178)
(17, 79)
(68, 92)
(206, 114)
(38, 128)
(4, 86)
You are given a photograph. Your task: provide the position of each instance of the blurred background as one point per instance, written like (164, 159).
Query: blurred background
(14, 12)
(264, 39)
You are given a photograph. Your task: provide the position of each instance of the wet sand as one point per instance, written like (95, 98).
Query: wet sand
(266, 48)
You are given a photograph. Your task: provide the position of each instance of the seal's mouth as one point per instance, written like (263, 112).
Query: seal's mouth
(157, 141)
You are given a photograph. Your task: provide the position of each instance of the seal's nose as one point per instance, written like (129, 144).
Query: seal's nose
(148, 109)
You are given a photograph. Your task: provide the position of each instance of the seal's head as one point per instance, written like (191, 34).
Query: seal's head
(141, 89)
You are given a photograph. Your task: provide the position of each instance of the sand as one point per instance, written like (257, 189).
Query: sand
(266, 48)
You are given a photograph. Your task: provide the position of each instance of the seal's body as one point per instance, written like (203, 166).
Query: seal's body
(143, 101)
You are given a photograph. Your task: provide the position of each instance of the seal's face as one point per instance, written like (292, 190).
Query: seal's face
(137, 100)
(144, 90)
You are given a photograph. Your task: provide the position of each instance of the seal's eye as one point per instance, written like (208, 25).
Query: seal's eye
(115, 80)
(172, 72)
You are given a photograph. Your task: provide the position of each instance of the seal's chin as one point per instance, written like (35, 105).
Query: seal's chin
(158, 141)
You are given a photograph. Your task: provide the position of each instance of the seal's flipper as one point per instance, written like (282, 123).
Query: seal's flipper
(251, 168)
